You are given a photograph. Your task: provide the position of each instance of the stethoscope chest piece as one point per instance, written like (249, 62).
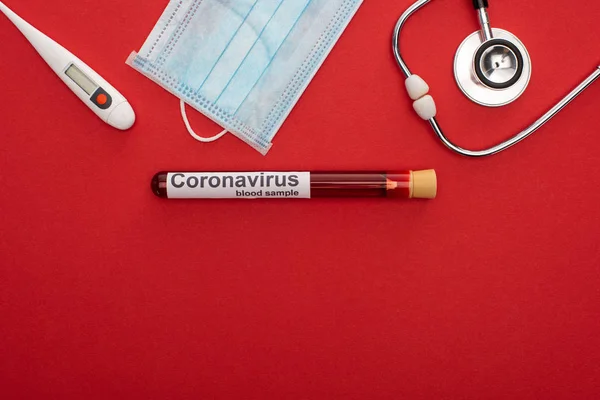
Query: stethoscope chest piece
(492, 72)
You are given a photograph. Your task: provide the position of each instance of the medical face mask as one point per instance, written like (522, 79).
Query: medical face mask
(242, 63)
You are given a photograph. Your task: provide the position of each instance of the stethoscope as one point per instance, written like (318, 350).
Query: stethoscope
(491, 67)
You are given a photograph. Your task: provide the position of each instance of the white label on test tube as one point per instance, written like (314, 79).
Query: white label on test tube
(235, 185)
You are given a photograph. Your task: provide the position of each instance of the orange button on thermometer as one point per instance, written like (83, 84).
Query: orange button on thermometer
(102, 99)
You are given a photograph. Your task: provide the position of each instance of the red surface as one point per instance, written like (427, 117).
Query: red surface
(489, 292)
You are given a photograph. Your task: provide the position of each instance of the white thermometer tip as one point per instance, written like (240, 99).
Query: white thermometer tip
(122, 117)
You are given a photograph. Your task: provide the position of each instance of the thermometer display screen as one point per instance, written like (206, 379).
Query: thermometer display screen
(81, 79)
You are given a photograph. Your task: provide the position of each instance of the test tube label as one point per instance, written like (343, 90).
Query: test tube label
(238, 185)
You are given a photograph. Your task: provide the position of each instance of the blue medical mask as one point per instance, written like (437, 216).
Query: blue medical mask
(242, 63)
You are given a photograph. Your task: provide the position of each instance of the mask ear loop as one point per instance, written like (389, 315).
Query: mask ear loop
(191, 131)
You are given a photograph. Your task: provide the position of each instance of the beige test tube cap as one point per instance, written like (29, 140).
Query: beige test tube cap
(424, 184)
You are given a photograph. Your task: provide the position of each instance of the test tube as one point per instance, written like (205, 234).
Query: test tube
(255, 185)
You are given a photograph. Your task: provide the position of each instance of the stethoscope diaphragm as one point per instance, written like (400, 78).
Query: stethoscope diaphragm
(493, 72)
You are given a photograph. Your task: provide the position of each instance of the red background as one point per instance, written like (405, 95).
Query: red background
(489, 292)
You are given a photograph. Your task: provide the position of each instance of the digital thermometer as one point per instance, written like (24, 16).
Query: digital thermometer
(103, 99)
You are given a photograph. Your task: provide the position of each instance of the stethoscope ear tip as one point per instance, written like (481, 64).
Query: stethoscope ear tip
(418, 90)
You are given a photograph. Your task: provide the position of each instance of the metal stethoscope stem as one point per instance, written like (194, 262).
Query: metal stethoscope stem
(515, 139)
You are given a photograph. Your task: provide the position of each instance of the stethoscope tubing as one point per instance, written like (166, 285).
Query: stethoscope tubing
(501, 146)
